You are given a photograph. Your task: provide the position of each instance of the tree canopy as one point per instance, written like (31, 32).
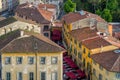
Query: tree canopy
(69, 6)
(111, 7)
(106, 15)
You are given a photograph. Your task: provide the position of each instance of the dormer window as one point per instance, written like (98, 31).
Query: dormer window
(46, 27)
(25, 17)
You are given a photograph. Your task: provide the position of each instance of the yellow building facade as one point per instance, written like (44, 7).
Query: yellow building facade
(81, 52)
(51, 70)
(105, 66)
(31, 56)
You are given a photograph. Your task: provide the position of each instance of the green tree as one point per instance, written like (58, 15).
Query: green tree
(116, 15)
(111, 4)
(94, 3)
(98, 12)
(106, 15)
(69, 6)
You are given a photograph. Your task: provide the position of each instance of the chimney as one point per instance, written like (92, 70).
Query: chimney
(21, 33)
(110, 29)
(45, 7)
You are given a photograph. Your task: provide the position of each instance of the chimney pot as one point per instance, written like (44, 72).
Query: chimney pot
(110, 29)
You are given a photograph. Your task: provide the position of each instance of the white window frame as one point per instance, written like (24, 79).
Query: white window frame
(19, 76)
(54, 75)
(41, 62)
(8, 76)
(31, 77)
(41, 75)
(7, 60)
(18, 61)
(54, 58)
(30, 60)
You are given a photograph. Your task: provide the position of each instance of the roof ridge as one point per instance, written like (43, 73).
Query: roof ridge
(114, 65)
(47, 41)
(39, 10)
(9, 43)
(41, 36)
(91, 38)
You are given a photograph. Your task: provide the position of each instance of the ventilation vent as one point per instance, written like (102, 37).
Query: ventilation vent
(117, 51)
(82, 12)
(101, 34)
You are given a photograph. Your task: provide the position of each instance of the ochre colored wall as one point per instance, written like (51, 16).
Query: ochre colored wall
(25, 68)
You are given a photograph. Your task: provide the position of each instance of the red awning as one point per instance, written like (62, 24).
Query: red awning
(71, 75)
(56, 32)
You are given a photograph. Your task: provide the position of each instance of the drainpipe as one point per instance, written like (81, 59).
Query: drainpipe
(35, 49)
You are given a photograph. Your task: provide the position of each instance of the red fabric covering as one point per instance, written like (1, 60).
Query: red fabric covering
(73, 66)
(56, 35)
(71, 75)
(56, 32)
(81, 73)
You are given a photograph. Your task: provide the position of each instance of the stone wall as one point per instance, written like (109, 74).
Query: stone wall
(19, 25)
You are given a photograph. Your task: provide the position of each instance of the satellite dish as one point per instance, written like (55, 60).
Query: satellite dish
(117, 51)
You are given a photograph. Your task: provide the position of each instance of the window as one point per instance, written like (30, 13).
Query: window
(101, 67)
(89, 54)
(94, 72)
(8, 76)
(46, 34)
(25, 17)
(80, 55)
(19, 76)
(71, 38)
(79, 45)
(31, 76)
(30, 60)
(19, 60)
(75, 52)
(46, 27)
(88, 67)
(84, 62)
(94, 62)
(107, 72)
(84, 50)
(100, 77)
(43, 76)
(54, 76)
(70, 48)
(8, 60)
(75, 41)
(54, 60)
(118, 75)
(42, 60)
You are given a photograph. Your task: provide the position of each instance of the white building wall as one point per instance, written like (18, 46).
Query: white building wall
(20, 25)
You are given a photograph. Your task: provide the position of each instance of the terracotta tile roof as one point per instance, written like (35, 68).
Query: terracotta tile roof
(109, 60)
(96, 42)
(72, 17)
(5, 39)
(116, 35)
(46, 14)
(34, 13)
(47, 6)
(75, 16)
(31, 43)
(7, 21)
(83, 33)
